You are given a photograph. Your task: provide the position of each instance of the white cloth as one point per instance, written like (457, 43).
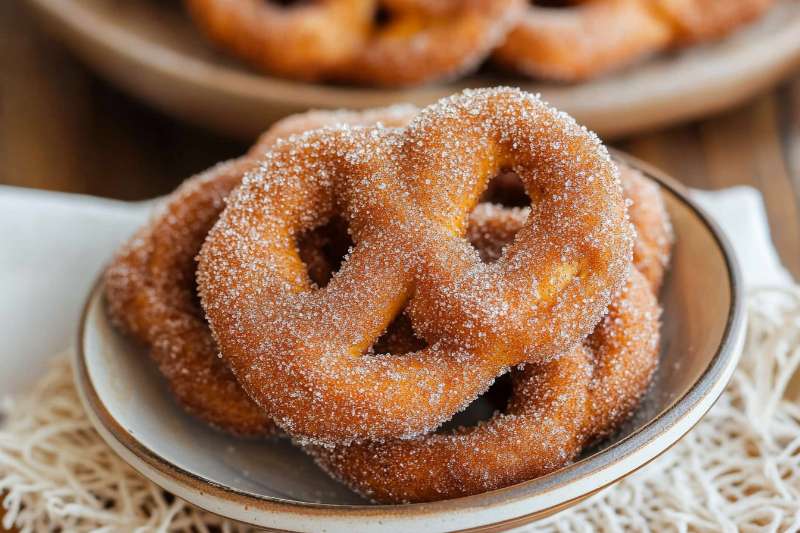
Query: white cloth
(52, 246)
(740, 213)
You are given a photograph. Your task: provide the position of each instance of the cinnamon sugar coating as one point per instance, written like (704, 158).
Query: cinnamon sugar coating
(150, 284)
(654, 236)
(588, 38)
(406, 194)
(375, 42)
(619, 365)
(491, 227)
(556, 408)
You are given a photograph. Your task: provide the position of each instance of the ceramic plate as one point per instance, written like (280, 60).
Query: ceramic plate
(273, 484)
(150, 48)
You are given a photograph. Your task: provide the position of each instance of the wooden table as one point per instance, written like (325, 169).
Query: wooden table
(61, 128)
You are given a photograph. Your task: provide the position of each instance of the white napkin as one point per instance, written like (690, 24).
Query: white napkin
(53, 245)
(739, 211)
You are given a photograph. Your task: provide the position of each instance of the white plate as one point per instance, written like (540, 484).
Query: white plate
(150, 48)
(272, 484)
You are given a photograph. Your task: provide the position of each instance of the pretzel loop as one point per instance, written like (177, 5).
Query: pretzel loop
(406, 195)
(392, 43)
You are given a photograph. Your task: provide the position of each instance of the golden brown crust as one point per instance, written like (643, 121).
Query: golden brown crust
(150, 292)
(407, 220)
(342, 40)
(556, 408)
(582, 41)
(301, 42)
(654, 239)
(695, 21)
(432, 42)
(150, 285)
(593, 37)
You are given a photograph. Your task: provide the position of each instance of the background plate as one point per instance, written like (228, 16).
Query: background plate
(150, 48)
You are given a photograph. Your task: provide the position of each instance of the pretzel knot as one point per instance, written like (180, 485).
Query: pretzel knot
(150, 284)
(586, 38)
(300, 352)
(391, 42)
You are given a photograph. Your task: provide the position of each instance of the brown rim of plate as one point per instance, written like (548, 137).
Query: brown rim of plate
(663, 421)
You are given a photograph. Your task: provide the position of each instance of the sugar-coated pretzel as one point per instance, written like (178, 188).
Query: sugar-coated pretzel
(300, 41)
(491, 229)
(150, 285)
(347, 40)
(406, 195)
(654, 237)
(696, 21)
(150, 295)
(587, 38)
(556, 408)
(583, 40)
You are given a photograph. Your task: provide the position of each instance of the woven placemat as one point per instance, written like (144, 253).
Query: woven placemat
(739, 469)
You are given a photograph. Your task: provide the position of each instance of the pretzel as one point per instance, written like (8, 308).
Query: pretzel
(588, 38)
(150, 284)
(405, 195)
(149, 290)
(582, 41)
(654, 239)
(695, 21)
(556, 408)
(389, 43)
(491, 228)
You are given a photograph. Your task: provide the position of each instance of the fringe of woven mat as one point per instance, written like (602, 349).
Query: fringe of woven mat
(738, 469)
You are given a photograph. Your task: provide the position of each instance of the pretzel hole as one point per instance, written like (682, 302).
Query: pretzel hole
(288, 3)
(553, 4)
(323, 249)
(399, 338)
(382, 17)
(490, 232)
(484, 407)
(506, 189)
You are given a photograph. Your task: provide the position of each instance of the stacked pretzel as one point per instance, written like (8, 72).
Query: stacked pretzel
(410, 42)
(358, 288)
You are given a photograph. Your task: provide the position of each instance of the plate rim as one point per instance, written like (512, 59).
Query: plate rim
(711, 382)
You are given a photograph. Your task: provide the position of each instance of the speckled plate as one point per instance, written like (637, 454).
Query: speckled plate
(274, 485)
(150, 48)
